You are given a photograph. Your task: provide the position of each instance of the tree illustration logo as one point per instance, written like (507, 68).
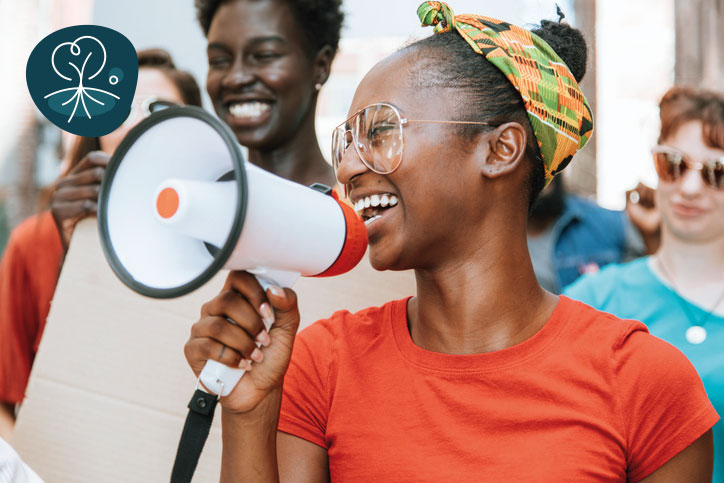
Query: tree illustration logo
(83, 79)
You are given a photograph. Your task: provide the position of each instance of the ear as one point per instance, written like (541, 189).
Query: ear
(322, 64)
(506, 150)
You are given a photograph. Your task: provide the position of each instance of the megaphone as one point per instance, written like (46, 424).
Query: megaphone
(178, 203)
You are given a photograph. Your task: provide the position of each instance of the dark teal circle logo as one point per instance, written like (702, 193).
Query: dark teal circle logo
(83, 79)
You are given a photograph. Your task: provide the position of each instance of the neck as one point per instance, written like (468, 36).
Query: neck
(694, 270)
(691, 263)
(481, 301)
(298, 159)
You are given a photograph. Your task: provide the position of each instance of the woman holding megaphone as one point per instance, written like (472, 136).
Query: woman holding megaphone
(483, 375)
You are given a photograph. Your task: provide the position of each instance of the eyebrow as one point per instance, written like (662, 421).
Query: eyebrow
(253, 41)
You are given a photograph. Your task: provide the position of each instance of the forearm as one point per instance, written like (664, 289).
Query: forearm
(249, 443)
(7, 420)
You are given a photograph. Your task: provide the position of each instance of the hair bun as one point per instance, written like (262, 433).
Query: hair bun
(569, 44)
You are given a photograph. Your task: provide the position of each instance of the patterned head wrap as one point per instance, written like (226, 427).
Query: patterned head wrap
(558, 111)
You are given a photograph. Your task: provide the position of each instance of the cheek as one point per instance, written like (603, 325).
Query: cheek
(213, 80)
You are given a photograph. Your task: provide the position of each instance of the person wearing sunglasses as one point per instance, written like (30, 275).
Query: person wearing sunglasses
(679, 291)
(32, 260)
(483, 375)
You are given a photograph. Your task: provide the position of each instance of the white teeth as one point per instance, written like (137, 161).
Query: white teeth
(248, 109)
(382, 200)
(372, 219)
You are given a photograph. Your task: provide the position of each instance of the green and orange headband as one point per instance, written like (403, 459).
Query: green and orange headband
(558, 111)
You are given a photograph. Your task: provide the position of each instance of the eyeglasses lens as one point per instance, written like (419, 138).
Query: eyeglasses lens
(377, 132)
(671, 166)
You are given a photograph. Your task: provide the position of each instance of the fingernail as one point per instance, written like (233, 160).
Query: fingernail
(263, 338)
(257, 355)
(267, 314)
(245, 364)
(277, 291)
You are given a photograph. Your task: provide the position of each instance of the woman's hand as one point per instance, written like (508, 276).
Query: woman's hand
(644, 214)
(76, 194)
(228, 331)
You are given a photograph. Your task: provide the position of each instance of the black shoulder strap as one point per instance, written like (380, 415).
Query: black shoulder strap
(196, 430)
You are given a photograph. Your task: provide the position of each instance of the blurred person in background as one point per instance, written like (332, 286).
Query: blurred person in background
(569, 235)
(679, 291)
(268, 60)
(31, 263)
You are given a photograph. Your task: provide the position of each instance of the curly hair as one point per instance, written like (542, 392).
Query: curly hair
(320, 20)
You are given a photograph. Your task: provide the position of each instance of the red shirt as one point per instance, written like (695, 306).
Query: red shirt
(28, 275)
(590, 397)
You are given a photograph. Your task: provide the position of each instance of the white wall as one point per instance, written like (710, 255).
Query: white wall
(635, 68)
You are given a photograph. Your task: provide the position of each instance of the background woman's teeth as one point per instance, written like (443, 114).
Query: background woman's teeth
(248, 109)
(375, 200)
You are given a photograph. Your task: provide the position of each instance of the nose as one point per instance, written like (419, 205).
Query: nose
(237, 76)
(350, 165)
(691, 183)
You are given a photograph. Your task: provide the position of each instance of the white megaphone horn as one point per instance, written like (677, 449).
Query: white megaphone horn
(178, 203)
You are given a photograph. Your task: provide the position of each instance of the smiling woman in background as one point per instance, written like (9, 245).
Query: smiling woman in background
(679, 292)
(268, 59)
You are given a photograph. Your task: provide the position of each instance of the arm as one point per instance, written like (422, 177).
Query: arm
(694, 464)
(7, 420)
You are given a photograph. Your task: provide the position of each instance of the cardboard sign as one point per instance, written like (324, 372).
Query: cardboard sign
(108, 392)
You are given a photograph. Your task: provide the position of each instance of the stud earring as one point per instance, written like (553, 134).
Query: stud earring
(317, 86)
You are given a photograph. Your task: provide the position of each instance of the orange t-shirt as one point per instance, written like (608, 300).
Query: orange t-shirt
(28, 275)
(590, 397)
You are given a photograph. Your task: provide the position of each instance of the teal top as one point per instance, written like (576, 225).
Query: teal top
(633, 291)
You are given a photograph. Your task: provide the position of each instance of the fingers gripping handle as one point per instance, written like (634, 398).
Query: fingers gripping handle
(220, 379)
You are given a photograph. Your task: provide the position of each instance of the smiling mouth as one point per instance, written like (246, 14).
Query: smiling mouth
(248, 110)
(371, 208)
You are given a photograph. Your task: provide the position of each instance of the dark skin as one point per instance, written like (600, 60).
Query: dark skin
(257, 52)
(76, 194)
(476, 289)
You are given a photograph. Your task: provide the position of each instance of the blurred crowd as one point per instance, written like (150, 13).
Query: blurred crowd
(659, 261)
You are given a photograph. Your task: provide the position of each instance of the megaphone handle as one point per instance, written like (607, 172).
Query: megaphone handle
(220, 379)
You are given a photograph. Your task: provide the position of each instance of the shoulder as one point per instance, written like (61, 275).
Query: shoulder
(660, 399)
(37, 231)
(595, 288)
(352, 328)
(595, 328)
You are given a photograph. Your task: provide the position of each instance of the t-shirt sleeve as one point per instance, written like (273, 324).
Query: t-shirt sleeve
(661, 401)
(307, 389)
(17, 323)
